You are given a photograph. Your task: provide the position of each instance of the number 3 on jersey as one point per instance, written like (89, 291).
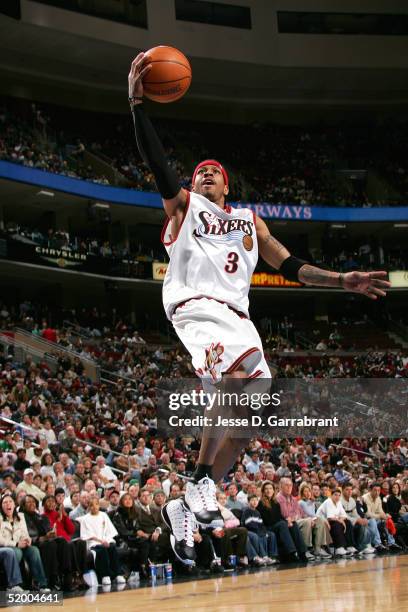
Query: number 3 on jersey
(232, 265)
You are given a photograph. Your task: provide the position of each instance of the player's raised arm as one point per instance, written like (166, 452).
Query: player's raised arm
(371, 284)
(149, 145)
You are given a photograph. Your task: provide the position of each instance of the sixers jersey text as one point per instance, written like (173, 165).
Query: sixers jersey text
(213, 255)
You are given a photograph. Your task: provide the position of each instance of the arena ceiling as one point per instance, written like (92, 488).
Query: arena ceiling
(30, 54)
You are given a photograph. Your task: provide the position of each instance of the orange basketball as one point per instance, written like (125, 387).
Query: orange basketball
(170, 75)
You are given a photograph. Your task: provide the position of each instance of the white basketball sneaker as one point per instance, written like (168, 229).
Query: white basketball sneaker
(180, 520)
(202, 500)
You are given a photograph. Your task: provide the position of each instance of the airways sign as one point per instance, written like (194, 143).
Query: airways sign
(280, 211)
(342, 214)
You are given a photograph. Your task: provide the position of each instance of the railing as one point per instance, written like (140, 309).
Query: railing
(22, 351)
(113, 378)
(51, 349)
(76, 330)
(373, 457)
(303, 341)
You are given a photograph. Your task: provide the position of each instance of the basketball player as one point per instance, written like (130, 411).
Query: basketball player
(213, 251)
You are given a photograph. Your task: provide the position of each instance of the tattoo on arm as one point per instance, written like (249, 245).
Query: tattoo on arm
(274, 242)
(310, 275)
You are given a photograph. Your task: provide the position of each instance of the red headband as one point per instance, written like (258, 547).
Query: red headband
(210, 162)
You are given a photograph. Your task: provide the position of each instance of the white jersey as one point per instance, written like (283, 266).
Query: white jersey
(213, 255)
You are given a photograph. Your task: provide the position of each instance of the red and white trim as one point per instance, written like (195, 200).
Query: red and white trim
(166, 223)
(256, 374)
(240, 359)
(240, 314)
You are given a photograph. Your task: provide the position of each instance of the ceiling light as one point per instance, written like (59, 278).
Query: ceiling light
(44, 192)
(103, 205)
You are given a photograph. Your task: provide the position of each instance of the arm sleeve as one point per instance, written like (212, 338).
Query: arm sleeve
(284, 511)
(331, 510)
(302, 512)
(68, 526)
(342, 512)
(152, 153)
(84, 530)
(23, 527)
(368, 512)
(109, 530)
(320, 512)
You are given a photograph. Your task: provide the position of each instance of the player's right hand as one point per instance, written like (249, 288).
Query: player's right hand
(140, 66)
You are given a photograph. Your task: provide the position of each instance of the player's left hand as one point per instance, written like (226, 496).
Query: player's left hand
(371, 284)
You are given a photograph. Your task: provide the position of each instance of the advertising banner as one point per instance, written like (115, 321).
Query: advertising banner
(133, 197)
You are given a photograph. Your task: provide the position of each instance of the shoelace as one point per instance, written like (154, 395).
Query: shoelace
(188, 531)
(182, 523)
(208, 496)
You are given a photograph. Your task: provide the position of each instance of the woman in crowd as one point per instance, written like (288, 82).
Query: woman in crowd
(54, 550)
(14, 533)
(392, 503)
(341, 529)
(263, 541)
(47, 466)
(321, 528)
(74, 497)
(290, 540)
(49, 488)
(231, 539)
(306, 501)
(126, 523)
(99, 534)
(65, 528)
(59, 475)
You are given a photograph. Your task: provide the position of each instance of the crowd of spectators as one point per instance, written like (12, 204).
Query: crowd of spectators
(85, 469)
(63, 240)
(267, 163)
(113, 341)
(370, 364)
(344, 257)
(25, 142)
(83, 459)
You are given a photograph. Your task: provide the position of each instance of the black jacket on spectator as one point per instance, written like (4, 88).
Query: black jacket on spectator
(21, 464)
(252, 520)
(361, 508)
(126, 526)
(37, 526)
(272, 515)
(55, 552)
(393, 506)
(392, 469)
(149, 522)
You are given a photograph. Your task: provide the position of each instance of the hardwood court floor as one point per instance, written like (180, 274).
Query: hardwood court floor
(379, 584)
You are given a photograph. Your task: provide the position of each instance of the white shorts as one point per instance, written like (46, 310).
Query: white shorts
(219, 340)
